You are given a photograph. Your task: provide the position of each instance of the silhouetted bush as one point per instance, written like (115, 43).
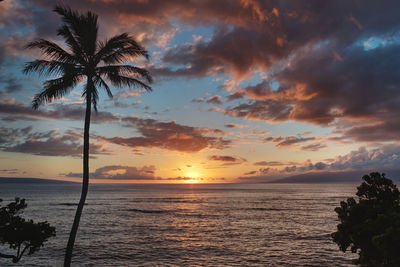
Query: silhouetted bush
(371, 226)
(20, 234)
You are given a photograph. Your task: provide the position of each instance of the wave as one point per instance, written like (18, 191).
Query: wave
(147, 211)
(66, 204)
(268, 209)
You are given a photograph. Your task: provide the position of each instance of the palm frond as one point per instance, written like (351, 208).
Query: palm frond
(83, 26)
(54, 89)
(126, 70)
(45, 67)
(95, 98)
(52, 50)
(72, 43)
(121, 81)
(101, 83)
(119, 49)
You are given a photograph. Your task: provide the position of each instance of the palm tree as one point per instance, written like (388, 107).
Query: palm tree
(89, 60)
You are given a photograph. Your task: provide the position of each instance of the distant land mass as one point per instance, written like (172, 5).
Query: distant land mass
(12, 180)
(332, 177)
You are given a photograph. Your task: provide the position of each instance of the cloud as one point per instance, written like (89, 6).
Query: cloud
(50, 143)
(270, 111)
(236, 95)
(315, 53)
(317, 90)
(10, 84)
(234, 125)
(298, 44)
(283, 29)
(294, 141)
(211, 100)
(214, 100)
(254, 132)
(313, 147)
(118, 172)
(170, 136)
(223, 158)
(248, 34)
(270, 169)
(18, 110)
(9, 171)
(385, 158)
(198, 100)
(151, 21)
(228, 160)
(269, 163)
(372, 131)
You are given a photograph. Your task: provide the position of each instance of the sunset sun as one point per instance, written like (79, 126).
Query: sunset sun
(192, 177)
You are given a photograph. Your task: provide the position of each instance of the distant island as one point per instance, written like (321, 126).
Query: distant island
(12, 180)
(331, 177)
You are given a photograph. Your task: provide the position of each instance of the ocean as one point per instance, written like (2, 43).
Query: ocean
(188, 225)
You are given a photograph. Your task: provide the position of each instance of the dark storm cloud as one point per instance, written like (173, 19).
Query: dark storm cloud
(15, 110)
(170, 136)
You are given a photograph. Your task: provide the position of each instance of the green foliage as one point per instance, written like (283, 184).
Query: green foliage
(371, 226)
(20, 234)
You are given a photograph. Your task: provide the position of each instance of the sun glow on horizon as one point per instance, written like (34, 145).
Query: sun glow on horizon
(192, 174)
(192, 177)
(191, 181)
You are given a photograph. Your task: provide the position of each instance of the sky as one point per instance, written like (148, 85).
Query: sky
(243, 91)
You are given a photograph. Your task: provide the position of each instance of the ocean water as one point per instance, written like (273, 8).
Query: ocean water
(188, 225)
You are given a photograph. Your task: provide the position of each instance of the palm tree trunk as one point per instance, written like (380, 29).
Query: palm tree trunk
(85, 181)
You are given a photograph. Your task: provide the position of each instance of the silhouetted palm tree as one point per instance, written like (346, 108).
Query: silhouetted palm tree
(86, 59)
